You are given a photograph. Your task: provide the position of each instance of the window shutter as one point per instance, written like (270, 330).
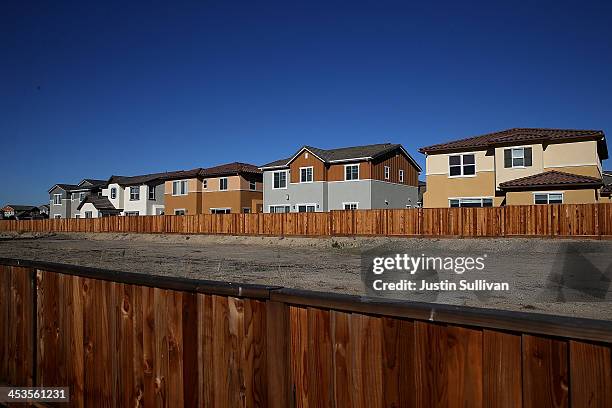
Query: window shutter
(527, 156)
(507, 158)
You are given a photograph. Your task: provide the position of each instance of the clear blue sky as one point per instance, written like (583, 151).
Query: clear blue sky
(91, 90)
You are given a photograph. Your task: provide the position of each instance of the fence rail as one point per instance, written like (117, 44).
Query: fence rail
(561, 220)
(124, 339)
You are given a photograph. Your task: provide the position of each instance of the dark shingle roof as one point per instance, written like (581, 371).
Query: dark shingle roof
(521, 135)
(551, 179)
(18, 207)
(94, 182)
(345, 153)
(99, 202)
(133, 180)
(607, 177)
(229, 168)
(606, 190)
(182, 174)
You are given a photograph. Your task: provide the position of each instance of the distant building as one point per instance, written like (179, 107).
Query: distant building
(64, 199)
(20, 212)
(44, 210)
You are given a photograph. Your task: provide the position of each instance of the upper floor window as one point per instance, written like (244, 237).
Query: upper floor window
(461, 165)
(151, 192)
(134, 193)
(205, 184)
(387, 172)
(517, 157)
(57, 199)
(252, 185)
(179, 187)
(82, 196)
(548, 198)
(113, 193)
(351, 172)
(401, 176)
(223, 184)
(280, 179)
(305, 174)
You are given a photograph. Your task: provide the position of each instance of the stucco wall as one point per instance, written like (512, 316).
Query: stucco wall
(395, 195)
(64, 209)
(89, 207)
(585, 196)
(440, 187)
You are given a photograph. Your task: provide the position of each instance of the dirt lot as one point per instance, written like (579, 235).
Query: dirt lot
(565, 277)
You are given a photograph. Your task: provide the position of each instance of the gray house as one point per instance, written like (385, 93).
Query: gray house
(349, 178)
(64, 199)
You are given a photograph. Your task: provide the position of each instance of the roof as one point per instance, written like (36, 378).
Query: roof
(606, 190)
(228, 169)
(550, 179)
(18, 207)
(519, 136)
(99, 202)
(65, 187)
(93, 182)
(607, 177)
(134, 180)
(366, 152)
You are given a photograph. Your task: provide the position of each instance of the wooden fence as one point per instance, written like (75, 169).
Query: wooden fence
(562, 220)
(124, 339)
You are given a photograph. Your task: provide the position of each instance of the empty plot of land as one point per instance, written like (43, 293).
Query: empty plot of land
(565, 277)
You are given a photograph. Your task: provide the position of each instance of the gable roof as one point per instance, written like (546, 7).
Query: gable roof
(93, 182)
(366, 152)
(100, 203)
(229, 169)
(520, 136)
(65, 187)
(137, 180)
(551, 179)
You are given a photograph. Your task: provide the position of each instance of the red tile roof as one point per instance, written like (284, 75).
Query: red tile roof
(520, 136)
(229, 169)
(550, 179)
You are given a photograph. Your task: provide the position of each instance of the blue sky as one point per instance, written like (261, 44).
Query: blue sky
(91, 90)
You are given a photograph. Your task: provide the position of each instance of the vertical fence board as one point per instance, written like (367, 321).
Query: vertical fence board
(502, 369)
(590, 375)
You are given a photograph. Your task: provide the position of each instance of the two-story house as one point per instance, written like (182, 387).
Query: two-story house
(349, 178)
(227, 188)
(64, 199)
(516, 166)
(132, 195)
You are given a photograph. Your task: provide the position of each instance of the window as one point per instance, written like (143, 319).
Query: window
(205, 184)
(77, 216)
(306, 207)
(74, 196)
(246, 210)
(134, 193)
(461, 165)
(387, 172)
(401, 176)
(351, 172)
(223, 184)
(350, 206)
(280, 179)
(179, 211)
(151, 192)
(132, 213)
(517, 157)
(113, 193)
(82, 196)
(470, 202)
(179, 187)
(280, 209)
(57, 199)
(305, 174)
(88, 214)
(220, 210)
(57, 216)
(252, 185)
(548, 198)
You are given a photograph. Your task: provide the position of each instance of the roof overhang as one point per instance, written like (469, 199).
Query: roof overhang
(562, 186)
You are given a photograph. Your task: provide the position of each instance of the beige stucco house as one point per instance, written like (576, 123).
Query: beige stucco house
(516, 166)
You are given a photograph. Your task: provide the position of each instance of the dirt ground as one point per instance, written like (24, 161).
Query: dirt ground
(563, 277)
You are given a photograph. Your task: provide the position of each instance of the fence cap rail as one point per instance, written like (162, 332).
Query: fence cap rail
(534, 323)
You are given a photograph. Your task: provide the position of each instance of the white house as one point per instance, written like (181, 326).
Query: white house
(137, 195)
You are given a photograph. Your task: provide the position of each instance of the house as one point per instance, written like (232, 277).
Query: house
(227, 188)
(65, 198)
(133, 195)
(44, 210)
(358, 177)
(94, 206)
(606, 190)
(20, 212)
(516, 166)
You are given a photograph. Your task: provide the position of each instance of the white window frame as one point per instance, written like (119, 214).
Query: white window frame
(221, 182)
(227, 210)
(113, 193)
(461, 165)
(59, 202)
(286, 179)
(401, 176)
(355, 203)
(180, 209)
(138, 193)
(183, 189)
(297, 207)
(131, 213)
(548, 194)
(253, 185)
(472, 198)
(311, 168)
(152, 190)
(82, 196)
(205, 184)
(285, 206)
(387, 172)
(90, 214)
(57, 217)
(351, 165)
